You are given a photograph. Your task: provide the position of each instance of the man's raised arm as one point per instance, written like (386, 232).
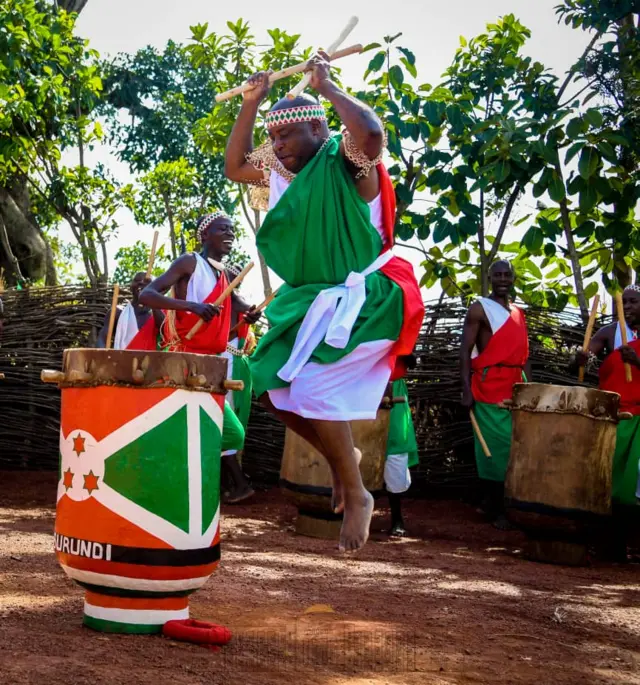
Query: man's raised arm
(240, 143)
(359, 119)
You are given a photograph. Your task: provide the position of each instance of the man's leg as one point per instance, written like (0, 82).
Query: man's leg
(334, 441)
(495, 424)
(306, 430)
(232, 442)
(397, 480)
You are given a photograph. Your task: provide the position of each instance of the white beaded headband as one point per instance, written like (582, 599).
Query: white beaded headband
(294, 115)
(207, 220)
(634, 287)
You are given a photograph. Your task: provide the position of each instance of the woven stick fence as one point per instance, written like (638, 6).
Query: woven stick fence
(41, 323)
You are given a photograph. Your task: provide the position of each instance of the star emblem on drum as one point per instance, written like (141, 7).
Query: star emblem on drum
(90, 482)
(78, 444)
(67, 480)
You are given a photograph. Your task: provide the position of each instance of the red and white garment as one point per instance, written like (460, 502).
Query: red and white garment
(129, 337)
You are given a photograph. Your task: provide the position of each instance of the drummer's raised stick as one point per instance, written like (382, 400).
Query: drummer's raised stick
(483, 442)
(306, 79)
(227, 291)
(588, 333)
(152, 255)
(112, 316)
(260, 308)
(289, 71)
(623, 333)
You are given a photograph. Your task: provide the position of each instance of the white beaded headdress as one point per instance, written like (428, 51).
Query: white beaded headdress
(294, 115)
(207, 220)
(635, 288)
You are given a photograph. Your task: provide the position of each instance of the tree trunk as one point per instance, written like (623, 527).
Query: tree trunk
(264, 270)
(484, 267)
(626, 40)
(24, 236)
(72, 5)
(172, 228)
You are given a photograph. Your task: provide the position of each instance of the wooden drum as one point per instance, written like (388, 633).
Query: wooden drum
(305, 477)
(137, 520)
(558, 483)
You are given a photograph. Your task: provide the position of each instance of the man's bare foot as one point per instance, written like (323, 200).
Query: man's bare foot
(357, 519)
(337, 496)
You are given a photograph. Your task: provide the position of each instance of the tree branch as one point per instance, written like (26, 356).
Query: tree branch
(4, 241)
(503, 224)
(574, 69)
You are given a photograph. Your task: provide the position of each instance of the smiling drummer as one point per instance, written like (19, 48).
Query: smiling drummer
(198, 279)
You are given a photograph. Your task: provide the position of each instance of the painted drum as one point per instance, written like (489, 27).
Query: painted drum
(558, 483)
(138, 501)
(305, 477)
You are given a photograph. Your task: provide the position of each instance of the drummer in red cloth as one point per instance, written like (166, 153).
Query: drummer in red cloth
(198, 279)
(494, 356)
(136, 326)
(626, 460)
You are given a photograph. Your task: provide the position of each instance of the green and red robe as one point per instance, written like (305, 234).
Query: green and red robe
(494, 372)
(128, 336)
(348, 308)
(626, 460)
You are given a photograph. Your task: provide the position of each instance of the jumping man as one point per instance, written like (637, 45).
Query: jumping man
(348, 308)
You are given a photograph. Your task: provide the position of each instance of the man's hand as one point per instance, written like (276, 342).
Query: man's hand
(581, 358)
(204, 311)
(260, 87)
(467, 400)
(629, 356)
(320, 71)
(252, 315)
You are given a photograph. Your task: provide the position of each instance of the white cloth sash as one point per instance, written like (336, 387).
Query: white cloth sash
(202, 282)
(497, 316)
(127, 328)
(331, 318)
(631, 335)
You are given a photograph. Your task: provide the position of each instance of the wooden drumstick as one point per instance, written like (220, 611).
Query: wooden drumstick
(588, 333)
(351, 24)
(260, 308)
(112, 315)
(476, 428)
(227, 291)
(152, 254)
(289, 71)
(623, 334)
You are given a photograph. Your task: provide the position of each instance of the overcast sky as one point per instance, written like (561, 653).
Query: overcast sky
(431, 30)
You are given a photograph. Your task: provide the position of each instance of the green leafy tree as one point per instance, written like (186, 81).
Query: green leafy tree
(232, 58)
(172, 194)
(135, 258)
(611, 72)
(500, 126)
(49, 86)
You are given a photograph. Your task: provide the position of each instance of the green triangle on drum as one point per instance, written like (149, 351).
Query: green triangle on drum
(153, 472)
(210, 445)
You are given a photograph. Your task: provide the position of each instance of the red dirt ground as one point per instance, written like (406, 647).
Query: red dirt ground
(455, 603)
